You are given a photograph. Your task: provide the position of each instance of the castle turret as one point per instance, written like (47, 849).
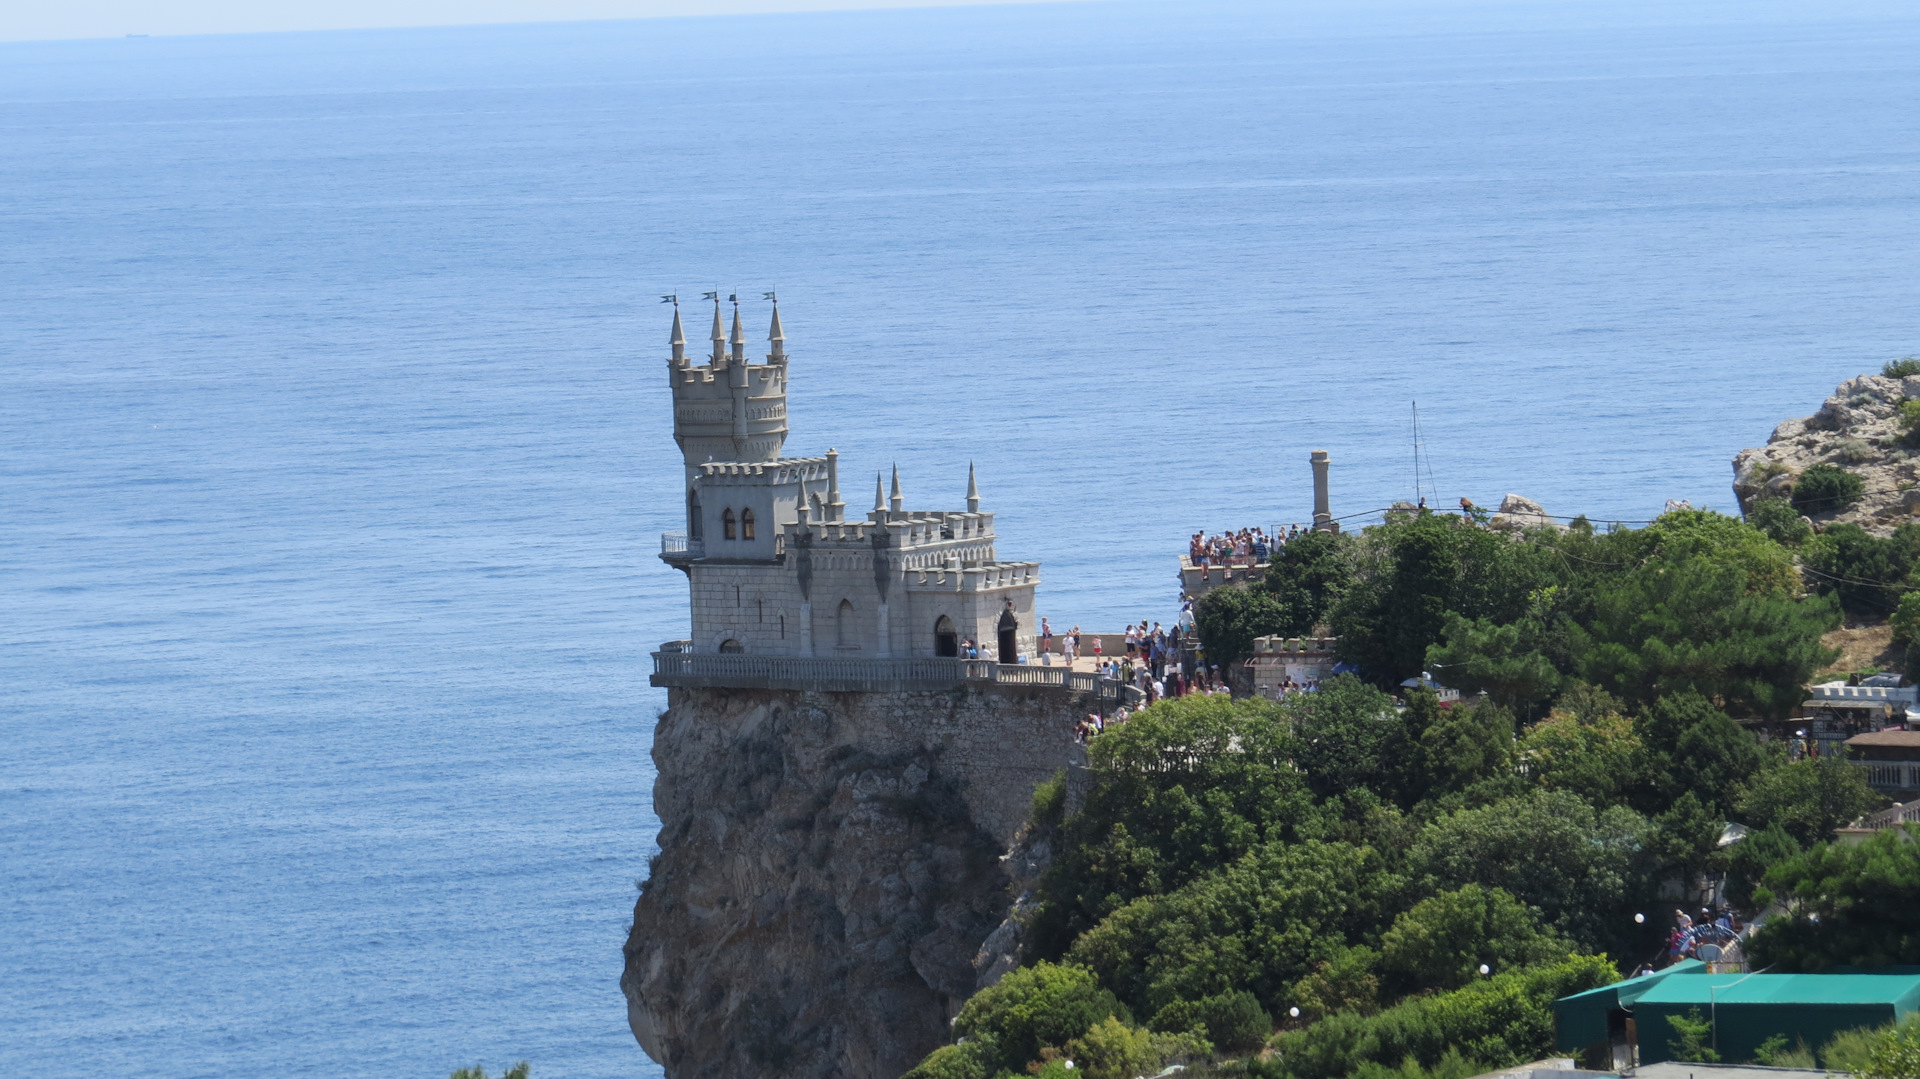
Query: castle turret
(973, 491)
(726, 409)
(778, 337)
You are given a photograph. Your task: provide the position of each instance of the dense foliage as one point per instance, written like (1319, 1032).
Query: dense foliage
(1850, 906)
(1343, 885)
(1825, 488)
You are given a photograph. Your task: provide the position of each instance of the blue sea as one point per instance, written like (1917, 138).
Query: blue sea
(335, 439)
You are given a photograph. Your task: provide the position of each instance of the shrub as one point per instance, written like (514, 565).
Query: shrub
(1850, 1050)
(1852, 451)
(1780, 521)
(1111, 1049)
(1901, 368)
(1050, 800)
(1234, 1022)
(1896, 1053)
(1692, 1035)
(1853, 906)
(1775, 1053)
(1824, 488)
(1442, 942)
(1499, 1021)
(1035, 1006)
(1908, 417)
(1868, 574)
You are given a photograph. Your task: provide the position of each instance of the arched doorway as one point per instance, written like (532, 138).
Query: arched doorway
(1009, 637)
(731, 647)
(843, 624)
(946, 642)
(693, 514)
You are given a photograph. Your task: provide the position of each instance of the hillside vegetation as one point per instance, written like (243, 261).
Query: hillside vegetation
(1334, 886)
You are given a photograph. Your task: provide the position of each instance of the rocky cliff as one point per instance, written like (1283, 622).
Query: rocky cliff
(831, 884)
(1856, 429)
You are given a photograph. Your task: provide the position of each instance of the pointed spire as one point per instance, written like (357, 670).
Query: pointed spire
(973, 491)
(778, 337)
(739, 338)
(879, 495)
(895, 498)
(679, 338)
(719, 335)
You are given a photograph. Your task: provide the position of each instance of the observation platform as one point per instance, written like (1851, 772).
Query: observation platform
(734, 670)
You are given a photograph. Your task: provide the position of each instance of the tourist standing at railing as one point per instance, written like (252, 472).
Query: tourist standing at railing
(1046, 637)
(1132, 639)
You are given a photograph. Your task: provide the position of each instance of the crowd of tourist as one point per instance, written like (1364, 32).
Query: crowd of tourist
(1247, 547)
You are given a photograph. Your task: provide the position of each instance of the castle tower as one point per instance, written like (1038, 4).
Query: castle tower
(728, 409)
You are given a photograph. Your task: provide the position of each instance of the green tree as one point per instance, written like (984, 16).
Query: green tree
(1307, 575)
(1851, 905)
(1443, 940)
(1807, 799)
(1467, 746)
(1749, 859)
(1347, 735)
(1867, 574)
(1499, 1020)
(1259, 925)
(1504, 662)
(1825, 488)
(1781, 523)
(1692, 1038)
(1697, 627)
(1600, 759)
(1547, 849)
(1696, 748)
(1031, 1007)
(1234, 1022)
(1906, 628)
(1229, 618)
(1185, 787)
(1895, 1053)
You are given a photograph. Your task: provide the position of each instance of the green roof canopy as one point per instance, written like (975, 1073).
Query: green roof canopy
(1746, 1009)
(1580, 1020)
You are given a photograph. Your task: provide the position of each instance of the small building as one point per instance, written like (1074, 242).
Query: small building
(1278, 661)
(1836, 711)
(1890, 759)
(1635, 1015)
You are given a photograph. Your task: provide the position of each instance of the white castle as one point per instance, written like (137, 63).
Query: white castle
(774, 566)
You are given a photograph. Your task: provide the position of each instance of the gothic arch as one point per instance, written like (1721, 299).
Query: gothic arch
(726, 523)
(731, 647)
(746, 524)
(843, 632)
(946, 639)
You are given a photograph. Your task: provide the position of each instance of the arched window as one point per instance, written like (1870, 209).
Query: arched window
(843, 624)
(1009, 637)
(693, 514)
(726, 523)
(732, 647)
(746, 524)
(946, 642)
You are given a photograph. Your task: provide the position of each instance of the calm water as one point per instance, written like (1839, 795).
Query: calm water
(335, 441)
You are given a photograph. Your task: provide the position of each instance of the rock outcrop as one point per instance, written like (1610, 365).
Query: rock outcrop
(832, 868)
(1856, 429)
(1520, 512)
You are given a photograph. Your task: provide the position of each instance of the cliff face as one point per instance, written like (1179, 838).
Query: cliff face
(830, 868)
(1856, 429)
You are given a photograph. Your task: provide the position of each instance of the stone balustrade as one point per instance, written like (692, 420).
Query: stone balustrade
(673, 666)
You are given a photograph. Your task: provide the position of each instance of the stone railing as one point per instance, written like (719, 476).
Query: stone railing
(676, 546)
(740, 671)
(1890, 775)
